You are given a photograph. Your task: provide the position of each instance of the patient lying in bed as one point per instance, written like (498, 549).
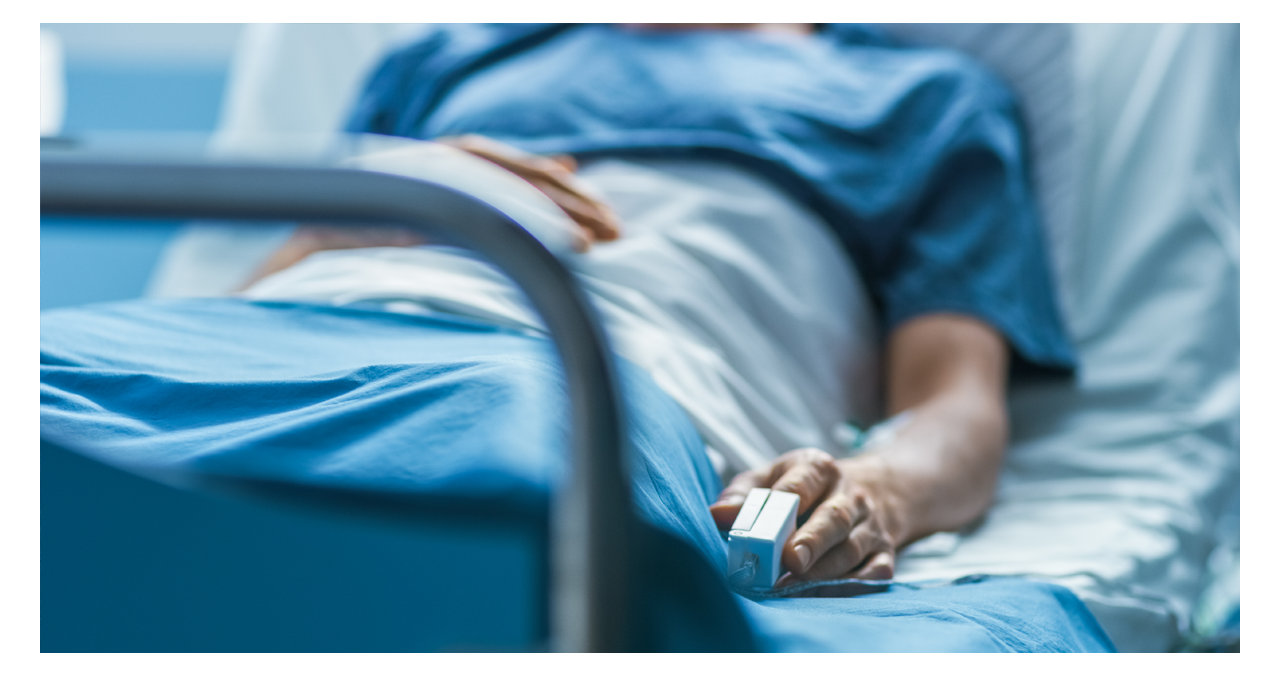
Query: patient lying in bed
(769, 279)
(1111, 480)
(745, 306)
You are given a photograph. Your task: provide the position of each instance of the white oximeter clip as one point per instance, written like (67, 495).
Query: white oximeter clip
(767, 519)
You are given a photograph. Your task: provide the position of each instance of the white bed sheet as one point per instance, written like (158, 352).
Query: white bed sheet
(1113, 484)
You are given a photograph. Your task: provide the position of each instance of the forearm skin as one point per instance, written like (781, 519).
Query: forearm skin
(939, 472)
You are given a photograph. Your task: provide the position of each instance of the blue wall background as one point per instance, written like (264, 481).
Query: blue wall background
(121, 77)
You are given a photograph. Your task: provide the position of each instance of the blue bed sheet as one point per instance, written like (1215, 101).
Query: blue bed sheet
(437, 406)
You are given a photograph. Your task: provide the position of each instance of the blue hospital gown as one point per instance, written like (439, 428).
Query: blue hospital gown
(914, 156)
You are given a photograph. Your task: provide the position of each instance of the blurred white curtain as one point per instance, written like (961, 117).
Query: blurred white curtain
(53, 88)
(300, 78)
(294, 80)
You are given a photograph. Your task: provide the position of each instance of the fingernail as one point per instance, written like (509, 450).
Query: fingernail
(802, 554)
(881, 567)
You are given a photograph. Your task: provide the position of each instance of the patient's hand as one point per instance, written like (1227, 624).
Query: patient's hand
(938, 473)
(853, 530)
(554, 176)
(309, 239)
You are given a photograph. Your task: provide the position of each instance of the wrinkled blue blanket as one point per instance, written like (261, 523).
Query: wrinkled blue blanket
(435, 405)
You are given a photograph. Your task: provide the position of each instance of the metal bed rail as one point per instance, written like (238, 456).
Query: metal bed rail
(591, 513)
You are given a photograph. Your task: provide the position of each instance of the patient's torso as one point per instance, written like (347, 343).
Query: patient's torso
(737, 300)
(729, 262)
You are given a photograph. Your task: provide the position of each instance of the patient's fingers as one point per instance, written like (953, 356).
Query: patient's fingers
(725, 509)
(863, 553)
(569, 162)
(809, 473)
(744, 483)
(592, 214)
(879, 567)
(596, 218)
(831, 528)
(554, 177)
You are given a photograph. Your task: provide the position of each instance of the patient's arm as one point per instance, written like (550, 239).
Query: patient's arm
(938, 473)
(308, 239)
(553, 175)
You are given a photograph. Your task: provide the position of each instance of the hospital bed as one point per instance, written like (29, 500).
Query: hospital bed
(1132, 468)
(595, 514)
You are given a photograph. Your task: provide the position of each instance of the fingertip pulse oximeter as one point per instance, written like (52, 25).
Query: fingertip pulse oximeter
(767, 519)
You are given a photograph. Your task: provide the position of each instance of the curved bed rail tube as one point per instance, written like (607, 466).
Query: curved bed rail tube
(592, 511)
